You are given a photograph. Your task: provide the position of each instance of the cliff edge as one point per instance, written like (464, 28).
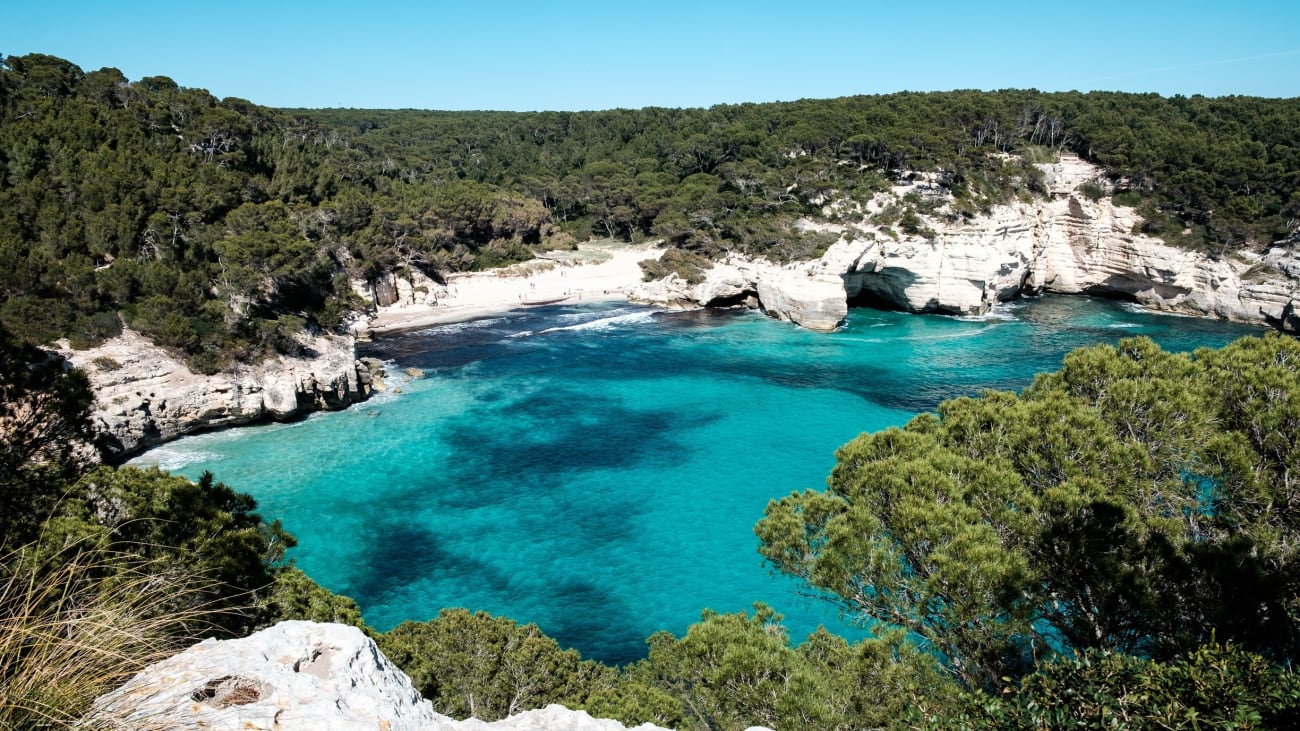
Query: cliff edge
(146, 396)
(299, 675)
(1065, 242)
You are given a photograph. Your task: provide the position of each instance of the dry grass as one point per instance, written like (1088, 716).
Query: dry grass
(77, 625)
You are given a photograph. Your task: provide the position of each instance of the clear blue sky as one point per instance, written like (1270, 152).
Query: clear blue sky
(498, 54)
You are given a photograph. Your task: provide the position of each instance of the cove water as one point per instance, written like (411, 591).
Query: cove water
(598, 469)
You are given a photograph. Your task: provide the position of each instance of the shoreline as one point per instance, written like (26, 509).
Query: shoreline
(592, 273)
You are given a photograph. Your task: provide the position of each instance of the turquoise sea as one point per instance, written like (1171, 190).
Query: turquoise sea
(598, 469)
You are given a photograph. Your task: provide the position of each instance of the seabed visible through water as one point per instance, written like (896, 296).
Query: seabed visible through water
(598, 469)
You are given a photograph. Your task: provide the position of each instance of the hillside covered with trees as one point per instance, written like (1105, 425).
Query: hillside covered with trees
(219, 228)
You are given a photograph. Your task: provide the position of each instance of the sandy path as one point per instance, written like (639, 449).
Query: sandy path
(593, 273)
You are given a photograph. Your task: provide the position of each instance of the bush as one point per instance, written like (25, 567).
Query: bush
(105, 363)
(687, 265)
(730, 671)
(185, 528)
(294, 595)
(34, 319)
(1217, 686)
(1039, 154)
(1092, 190)
(1127, 198)
(489, 667)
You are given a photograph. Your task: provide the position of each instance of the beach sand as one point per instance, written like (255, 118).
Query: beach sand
(593, 273)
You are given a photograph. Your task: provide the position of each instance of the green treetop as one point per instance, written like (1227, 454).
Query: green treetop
(1135, 501)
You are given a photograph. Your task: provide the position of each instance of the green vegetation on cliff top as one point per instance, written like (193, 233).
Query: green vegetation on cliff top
(220, 228)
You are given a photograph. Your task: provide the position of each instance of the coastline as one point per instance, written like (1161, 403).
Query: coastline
(146, 396)
(596, 272)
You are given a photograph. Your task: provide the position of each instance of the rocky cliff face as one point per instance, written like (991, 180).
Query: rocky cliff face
(145, 396)
(1064, 242)
(299, 675)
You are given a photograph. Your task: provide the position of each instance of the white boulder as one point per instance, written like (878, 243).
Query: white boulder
(299, 676)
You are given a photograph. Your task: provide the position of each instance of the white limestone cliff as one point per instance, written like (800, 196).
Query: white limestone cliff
(795, 293)
(807, 298)
(299, 676)
(1064, 242)
(146, 396)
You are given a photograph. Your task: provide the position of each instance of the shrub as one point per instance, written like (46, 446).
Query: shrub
(1092, 190)
(688, 265)
(474, 664)
(1127, 198)
(105, 363)
(1216, 686)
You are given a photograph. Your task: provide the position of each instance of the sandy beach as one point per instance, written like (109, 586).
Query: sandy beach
(595, 272)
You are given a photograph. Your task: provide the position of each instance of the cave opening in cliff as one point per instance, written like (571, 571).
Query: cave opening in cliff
(866, 299)
(746, 298)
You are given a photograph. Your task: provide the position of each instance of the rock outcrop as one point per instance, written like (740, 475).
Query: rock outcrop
(812, 300)
(146, 396)
(794, 293)
(412, 288)
(1065, 242)
(299, 675)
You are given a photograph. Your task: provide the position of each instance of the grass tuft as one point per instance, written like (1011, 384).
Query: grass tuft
(79, 624)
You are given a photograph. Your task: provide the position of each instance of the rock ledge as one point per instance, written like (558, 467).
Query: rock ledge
(146, 396)
(299, 675)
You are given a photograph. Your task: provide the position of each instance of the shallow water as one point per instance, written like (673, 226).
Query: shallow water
(598, 469)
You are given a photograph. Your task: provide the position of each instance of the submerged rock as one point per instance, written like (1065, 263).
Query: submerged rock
(298, 675)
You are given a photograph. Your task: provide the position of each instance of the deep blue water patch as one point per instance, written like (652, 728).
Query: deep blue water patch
(598, 469)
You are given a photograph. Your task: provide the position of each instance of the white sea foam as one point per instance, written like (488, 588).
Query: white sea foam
(172, 457)
(1121, 325)
(924, 338)
(396, 380)
(455, 327)
(951, 336)
(1000, 312)
(206, 446)
(580, 316)
(606, 323)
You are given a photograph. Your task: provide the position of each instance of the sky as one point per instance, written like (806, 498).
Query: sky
(570, 56)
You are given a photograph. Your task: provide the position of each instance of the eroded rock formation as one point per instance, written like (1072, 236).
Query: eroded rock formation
(1065, 242)
(299, 675)
(146, 396)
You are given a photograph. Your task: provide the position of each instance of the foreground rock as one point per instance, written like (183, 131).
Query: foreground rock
(298, 675)
(145, 396)
(1065, 242)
